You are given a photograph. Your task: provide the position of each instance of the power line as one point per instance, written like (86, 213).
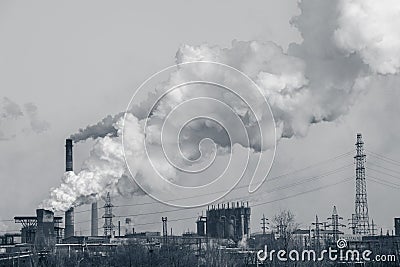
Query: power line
(385, 173)
(255, 205)
(384, 158)
(312, 178)
(235, 198)
(304, 192)
(385, 168)
(239, 187)
(260, 203)
(384, 182)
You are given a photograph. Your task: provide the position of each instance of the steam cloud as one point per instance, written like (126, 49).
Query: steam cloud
(315, 81)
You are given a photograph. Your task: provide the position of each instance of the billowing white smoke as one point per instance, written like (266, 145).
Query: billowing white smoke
(103, 128)
(314, 81)
(371, 29)
(105, 170)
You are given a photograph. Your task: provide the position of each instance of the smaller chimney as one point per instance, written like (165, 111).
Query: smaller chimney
(69, 223)
(95, 220)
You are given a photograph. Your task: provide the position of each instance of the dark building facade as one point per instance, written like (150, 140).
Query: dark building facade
(397, 226)
(228, 221)
(45, 232)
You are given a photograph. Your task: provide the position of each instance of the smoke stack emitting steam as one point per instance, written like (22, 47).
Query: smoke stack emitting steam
(314, 81)
(69, 214)
(68, 155)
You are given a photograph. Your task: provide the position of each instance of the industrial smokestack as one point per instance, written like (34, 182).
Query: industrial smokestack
(69, 223)
(68, 155)
(95, 220)
(69, 214)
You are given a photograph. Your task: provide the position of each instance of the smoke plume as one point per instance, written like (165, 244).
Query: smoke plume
(317, 80)
(370, 28)
(15, 119)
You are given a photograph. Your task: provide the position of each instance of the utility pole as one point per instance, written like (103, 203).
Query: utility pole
(264, 222)
(361, 203)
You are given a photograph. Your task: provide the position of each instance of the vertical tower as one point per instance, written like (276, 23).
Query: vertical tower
(108, 215)
(165, 229)
(361, 205)
(372, 231)
(317, 233)
(201, 225)
(94, 220)
(69, 214)
(68, 155)
(335, 224)
(264, 222)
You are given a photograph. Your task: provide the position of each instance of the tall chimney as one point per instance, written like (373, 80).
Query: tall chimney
(69, 214)
(68, 155)
(95, 220)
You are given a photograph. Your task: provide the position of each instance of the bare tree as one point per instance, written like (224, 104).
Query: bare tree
(285, 224)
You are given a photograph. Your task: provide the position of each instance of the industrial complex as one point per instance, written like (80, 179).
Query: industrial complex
(224, 229)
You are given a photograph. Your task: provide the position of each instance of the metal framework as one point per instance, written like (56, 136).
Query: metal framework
(108, 216)
(317, 233)
(264, 223)
(361, 205)
(335, 224)
(26, 221)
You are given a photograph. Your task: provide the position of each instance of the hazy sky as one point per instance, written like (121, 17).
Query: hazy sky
(79, 61)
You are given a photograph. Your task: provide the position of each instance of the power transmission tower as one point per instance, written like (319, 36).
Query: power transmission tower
(335, 224)
(317, 233)
(108, 215)
(264, 224)
(361, 205)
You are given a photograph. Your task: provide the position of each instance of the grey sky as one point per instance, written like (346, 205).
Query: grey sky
(79, 61)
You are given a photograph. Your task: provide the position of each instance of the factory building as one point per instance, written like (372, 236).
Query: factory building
(43, 230)
(231, 221)
(397, 226)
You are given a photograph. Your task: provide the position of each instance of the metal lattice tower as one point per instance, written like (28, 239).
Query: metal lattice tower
(108, 215)
(317, 233)
(264, 223)
(335, 224)
(361, 205)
